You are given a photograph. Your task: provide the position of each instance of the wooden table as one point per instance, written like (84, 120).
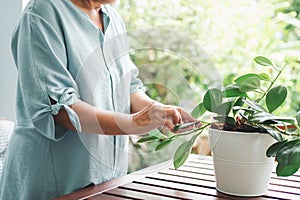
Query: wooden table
(194, 180)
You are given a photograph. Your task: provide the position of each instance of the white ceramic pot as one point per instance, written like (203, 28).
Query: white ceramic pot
(240, 162)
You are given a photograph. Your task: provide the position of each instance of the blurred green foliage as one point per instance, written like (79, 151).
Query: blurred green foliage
(231, 33)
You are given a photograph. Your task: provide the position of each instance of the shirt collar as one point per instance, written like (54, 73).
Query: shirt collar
(104, 10)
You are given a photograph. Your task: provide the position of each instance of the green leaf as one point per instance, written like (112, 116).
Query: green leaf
(264, 61)
(273, 149)
(165, 143)
(225, 119)
(147, 139)
(238, 102)
(298, 117)
(247, 110)
(224, 108)
(254, 105)
(267, 118)
(288, 158)
(288, 120)
(212, 99)
(183, 152)
(265, 77)
(248, 82)
(233, 91)
(198, 111)
(246, 77)
(275, 97)
(274, 133)
(262, 118)
(286, 170)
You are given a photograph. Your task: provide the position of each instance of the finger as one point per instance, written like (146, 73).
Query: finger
(169, 125)
(174, 115)
(198, 124)
(186, 116)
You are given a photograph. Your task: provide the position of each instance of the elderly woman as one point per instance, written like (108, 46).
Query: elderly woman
(78, 98)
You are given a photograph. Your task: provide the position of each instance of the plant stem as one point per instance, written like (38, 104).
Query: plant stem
(272, 83)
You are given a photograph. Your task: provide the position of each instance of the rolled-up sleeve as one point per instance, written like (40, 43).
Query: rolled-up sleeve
(40, 56)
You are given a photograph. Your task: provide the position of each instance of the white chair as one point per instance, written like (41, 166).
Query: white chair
(6, 129)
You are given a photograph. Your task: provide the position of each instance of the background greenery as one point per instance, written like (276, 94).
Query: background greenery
(231, 33)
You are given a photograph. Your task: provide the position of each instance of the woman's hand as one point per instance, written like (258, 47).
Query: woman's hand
(146, 116)
(157, 115)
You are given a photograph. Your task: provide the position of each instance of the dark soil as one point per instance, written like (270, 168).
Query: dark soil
(239, 126)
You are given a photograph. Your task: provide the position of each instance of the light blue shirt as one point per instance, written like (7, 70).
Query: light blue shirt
(61, 54)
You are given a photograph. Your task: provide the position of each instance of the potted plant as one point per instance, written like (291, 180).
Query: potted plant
(245, 135)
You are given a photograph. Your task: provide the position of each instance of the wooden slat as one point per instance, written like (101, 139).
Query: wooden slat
(136, 195)
(194, 169)
(106, 197)
(274, 192)
(201, 190)
(200, 159)
(197, 165)
(167, 191)
(186, 180)
(281, 195)
(276, 185)
(284, 189)
(181, 173)
(194, 180)
(290, 178)
(285, 182)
